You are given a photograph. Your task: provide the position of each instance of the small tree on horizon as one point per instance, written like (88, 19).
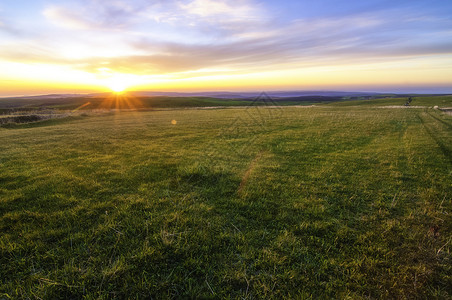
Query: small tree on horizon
(408, 102)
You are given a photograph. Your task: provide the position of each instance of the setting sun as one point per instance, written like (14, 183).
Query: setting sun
(117, 88)
(118, 82)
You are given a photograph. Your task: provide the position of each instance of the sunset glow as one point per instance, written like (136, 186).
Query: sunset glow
(117, 88)
(116, 85)
(97, 45)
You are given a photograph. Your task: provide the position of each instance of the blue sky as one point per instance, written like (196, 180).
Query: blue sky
(234, 44)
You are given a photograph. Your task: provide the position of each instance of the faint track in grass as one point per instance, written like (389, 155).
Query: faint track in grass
(449, 125)
(248, 172)
(431, 132)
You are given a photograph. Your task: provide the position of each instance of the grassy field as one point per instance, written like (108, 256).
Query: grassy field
(124, 101)
(440, 101)
(242, 203)
(128, 102)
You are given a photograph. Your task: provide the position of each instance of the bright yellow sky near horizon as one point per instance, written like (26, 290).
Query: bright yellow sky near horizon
(233, 45)
(360, 77)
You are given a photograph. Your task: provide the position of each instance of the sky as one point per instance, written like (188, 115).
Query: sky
(82, 46)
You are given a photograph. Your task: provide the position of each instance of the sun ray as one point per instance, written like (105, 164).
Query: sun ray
(120, 102)
(81, 106)
(118, 82)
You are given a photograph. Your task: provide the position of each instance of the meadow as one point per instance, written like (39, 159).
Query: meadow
(239, 203)
(428, 101)
(130, 102)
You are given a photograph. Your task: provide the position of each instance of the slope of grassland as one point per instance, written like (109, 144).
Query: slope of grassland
(429, 101)
(319, 202)
(125, 101)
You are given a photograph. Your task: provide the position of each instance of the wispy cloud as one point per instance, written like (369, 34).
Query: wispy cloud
(93, 14)
(7, 27)
(69, 19)
(224, 9)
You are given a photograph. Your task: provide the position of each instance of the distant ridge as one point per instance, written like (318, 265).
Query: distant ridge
(237, 95)
(47, 96)
(219, 94)
(228, 95)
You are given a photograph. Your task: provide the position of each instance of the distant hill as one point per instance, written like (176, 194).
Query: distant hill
(218, 94)
(152, 100)
(238, 95)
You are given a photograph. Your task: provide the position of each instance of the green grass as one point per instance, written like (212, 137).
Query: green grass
(321, 202)
(130, 102)
(7, 105)
(430, 101)
(46, 122)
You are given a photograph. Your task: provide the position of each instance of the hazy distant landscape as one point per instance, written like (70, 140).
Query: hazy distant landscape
(144, 100)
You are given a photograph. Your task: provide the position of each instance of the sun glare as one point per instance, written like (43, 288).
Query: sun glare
(119, 82)
(118, 88)
(117, 85)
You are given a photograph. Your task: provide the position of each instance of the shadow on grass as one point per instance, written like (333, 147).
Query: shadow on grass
(37, 123)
